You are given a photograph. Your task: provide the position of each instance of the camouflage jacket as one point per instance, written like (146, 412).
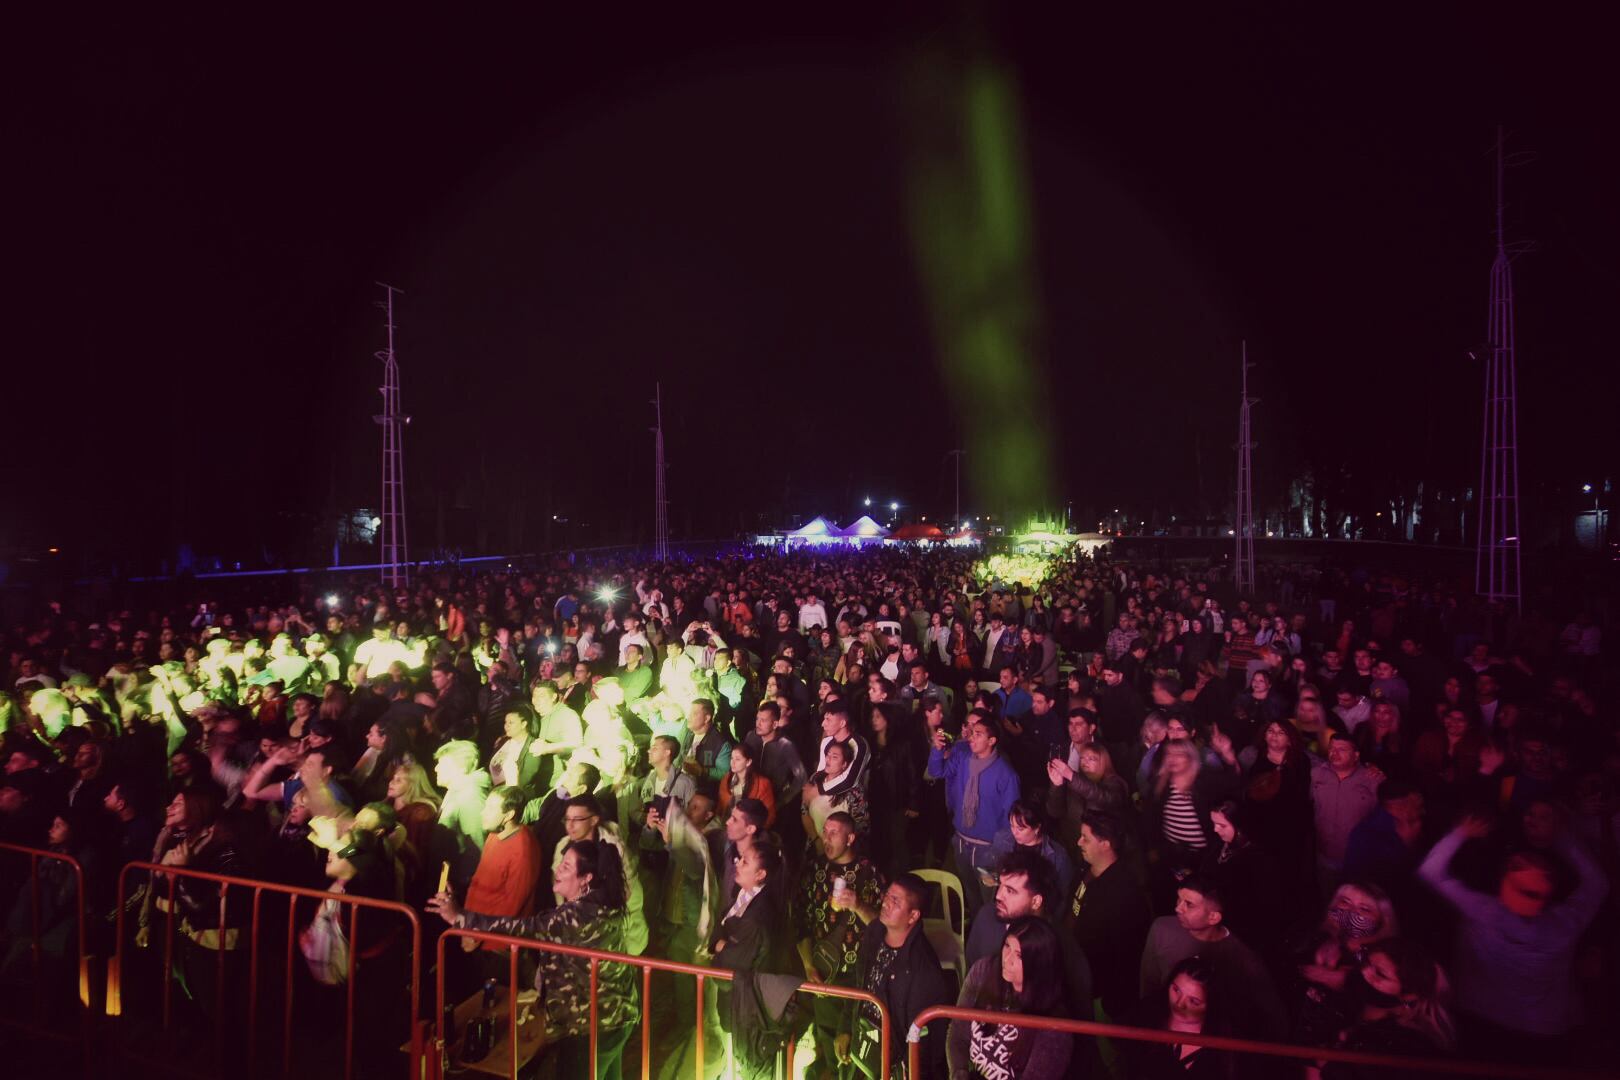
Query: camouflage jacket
(564, 982)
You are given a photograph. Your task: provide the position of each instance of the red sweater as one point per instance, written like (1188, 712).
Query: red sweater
(507, 874)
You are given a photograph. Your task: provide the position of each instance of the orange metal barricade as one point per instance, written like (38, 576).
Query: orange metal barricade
(40, 1025)
(648, 965)
(1313, 1054)
(171, 874)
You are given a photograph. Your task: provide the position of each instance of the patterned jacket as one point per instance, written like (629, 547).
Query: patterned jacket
(564, 982)
(815, 917)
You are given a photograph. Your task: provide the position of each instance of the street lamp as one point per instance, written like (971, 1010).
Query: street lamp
(1597, 517)
(894, 507)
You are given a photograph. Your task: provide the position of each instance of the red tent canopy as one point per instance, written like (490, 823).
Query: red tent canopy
(918, 531)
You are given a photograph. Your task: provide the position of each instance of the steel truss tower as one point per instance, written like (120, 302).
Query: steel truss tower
(394, 554)
(957, 454)
(1243, 564)
(1496, 558)
(660, 502)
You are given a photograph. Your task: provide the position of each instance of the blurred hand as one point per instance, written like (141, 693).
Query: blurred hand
(444, 906)
(1474, 827)
(1058, 771)
(1316, 973)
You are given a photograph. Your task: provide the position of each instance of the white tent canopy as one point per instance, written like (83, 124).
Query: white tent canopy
(816, 527)
(864, 528)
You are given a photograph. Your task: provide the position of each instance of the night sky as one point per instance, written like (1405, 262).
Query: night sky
(575, 210)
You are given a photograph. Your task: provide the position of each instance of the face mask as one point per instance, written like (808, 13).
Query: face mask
(1353, 924)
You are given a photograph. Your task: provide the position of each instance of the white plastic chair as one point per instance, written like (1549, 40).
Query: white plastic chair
(948, 935)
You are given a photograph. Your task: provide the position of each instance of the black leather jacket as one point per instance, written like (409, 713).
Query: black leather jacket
(914, 982)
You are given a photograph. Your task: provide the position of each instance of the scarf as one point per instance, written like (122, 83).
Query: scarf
(970, 797)
(827, 783)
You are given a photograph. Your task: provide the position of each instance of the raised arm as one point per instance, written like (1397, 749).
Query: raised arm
(257, 786)
(1435, 870)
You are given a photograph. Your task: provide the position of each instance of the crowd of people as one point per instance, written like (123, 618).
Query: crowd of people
(1353, 811)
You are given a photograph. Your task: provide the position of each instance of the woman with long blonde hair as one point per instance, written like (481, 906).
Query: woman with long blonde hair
(416, 806)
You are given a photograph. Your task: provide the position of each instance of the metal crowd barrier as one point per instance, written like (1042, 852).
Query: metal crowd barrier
(648, 965)
(40, 1025)
(116, 968)
(1305, 1054)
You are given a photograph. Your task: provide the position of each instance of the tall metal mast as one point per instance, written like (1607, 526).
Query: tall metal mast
(660, 502)
(1496, 553)
(1243, 563)
(957, 454)
(394, 555)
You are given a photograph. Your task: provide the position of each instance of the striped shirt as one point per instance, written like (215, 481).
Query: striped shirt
(1181, 824)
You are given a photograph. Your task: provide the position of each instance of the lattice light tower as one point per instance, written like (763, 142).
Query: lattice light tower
(1496, 553)
(957, 454)
(1243, 564)
(394, 554)
(660, 502)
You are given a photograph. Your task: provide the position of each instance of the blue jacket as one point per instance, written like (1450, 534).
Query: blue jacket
(998, 789)
(1015, 704)
(1376, 853)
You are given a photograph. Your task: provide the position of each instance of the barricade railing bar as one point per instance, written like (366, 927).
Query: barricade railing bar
(40, 1025)
(171, 875)
(648, 965)
(1406, 1064)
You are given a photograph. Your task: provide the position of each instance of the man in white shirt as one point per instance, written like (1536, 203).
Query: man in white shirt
(30, 671)
(1353, 709)
(652, 602)
(812, 614)
(703, 655)
(633, 636)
